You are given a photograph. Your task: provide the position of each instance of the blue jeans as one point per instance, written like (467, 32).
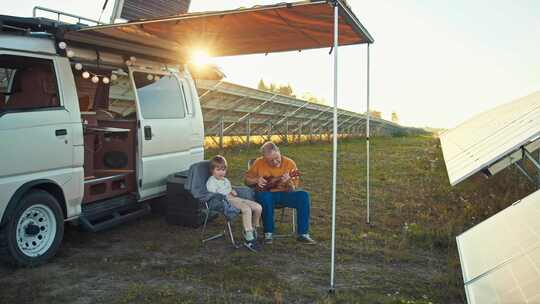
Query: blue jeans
(298, 200)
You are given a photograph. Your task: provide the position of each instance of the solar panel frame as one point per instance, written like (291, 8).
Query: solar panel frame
(490, 136)
(500, 257)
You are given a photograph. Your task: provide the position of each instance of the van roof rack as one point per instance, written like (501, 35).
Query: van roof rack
(30, 25)
(62, 16)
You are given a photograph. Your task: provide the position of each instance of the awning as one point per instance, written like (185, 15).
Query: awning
(261, 29)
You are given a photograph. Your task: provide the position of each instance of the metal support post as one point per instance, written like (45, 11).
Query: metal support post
(248, 131)
(367, 141)
(287, 131)
(334, 150)
(221, 132)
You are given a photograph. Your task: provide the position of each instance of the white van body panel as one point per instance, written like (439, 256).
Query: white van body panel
(30, 149)
(175, 143)
(197, 124)
(26, 44)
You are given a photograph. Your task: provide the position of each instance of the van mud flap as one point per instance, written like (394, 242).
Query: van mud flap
(107, 214)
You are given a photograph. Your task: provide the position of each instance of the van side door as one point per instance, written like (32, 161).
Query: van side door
(164, 132)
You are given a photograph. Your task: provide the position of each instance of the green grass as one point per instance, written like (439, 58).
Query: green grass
(407, 255)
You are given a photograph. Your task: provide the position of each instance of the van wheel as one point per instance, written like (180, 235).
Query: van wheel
(34, 230)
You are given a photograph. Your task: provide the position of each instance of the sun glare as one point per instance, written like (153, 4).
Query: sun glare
(200, 58)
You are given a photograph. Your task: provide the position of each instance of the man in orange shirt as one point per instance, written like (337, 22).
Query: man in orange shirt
(275, 169)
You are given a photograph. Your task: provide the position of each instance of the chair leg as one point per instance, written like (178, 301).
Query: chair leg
(205, 222)
(231, 234)
(294, 221)
(293, 233)
(213, 237)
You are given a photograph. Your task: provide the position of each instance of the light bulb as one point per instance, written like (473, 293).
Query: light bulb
(62, 45)
(128, 62)
(95, 79)
(70, 53)
(105, 80)
(78, 66)
(133, 58)
(114, 77)
(85, 75)
(149, 76)
(156, 78)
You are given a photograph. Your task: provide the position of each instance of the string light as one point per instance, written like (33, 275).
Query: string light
(95, 78)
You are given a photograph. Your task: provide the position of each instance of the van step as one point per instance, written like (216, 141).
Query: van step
(109, 213)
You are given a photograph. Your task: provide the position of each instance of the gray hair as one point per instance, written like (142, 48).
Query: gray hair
(268, 147)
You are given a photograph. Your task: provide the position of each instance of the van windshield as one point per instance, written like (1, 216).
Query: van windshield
(160, 96)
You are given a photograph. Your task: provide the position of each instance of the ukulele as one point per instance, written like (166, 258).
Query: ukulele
(274, 181)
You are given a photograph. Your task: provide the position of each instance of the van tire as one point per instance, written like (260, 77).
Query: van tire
(34, 230)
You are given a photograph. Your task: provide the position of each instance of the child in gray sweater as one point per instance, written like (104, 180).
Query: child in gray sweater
(251, 211)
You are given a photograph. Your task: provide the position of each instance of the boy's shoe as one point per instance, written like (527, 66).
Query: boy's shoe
(268, 238)
(306, 239)
(252, 245)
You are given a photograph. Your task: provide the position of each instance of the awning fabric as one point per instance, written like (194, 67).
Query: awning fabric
(261, 29)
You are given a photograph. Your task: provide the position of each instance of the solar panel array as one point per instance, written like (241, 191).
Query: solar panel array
(500, 257)
(490, 136)
(234, 110)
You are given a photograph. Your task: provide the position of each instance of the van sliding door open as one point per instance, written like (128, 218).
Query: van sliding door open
(164, 124)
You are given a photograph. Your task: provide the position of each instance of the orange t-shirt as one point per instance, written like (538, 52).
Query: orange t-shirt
(261, 168)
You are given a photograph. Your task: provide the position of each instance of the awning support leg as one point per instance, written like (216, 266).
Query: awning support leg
(334, 150)
(367, 140)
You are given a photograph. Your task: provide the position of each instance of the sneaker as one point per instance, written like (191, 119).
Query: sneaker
(252, 246)
(306, 239)
(268, 238)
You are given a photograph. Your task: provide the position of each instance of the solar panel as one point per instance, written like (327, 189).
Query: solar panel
(490, 137)
(500, 257)
(145, 9)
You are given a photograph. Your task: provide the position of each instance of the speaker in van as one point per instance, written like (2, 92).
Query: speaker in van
(115, 160)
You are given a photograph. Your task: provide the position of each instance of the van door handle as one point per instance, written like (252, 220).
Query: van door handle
(147, 132)
(60, 132)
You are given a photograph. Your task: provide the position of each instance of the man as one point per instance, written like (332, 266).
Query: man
(273, 168)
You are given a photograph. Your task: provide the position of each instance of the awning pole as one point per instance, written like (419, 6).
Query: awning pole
(334, 150)
(367, 137)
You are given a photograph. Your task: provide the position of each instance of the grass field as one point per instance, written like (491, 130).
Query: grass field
(408, 255)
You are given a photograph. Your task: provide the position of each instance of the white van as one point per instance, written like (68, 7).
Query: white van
(86, 135)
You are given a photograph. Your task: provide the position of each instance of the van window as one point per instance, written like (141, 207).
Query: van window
(27, 83)
(160, 97)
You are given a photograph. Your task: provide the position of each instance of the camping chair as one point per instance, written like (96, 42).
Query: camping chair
(197, 176)
(198, 185)
(281, 207)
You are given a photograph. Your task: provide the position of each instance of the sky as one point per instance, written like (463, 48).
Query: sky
(435, 63)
